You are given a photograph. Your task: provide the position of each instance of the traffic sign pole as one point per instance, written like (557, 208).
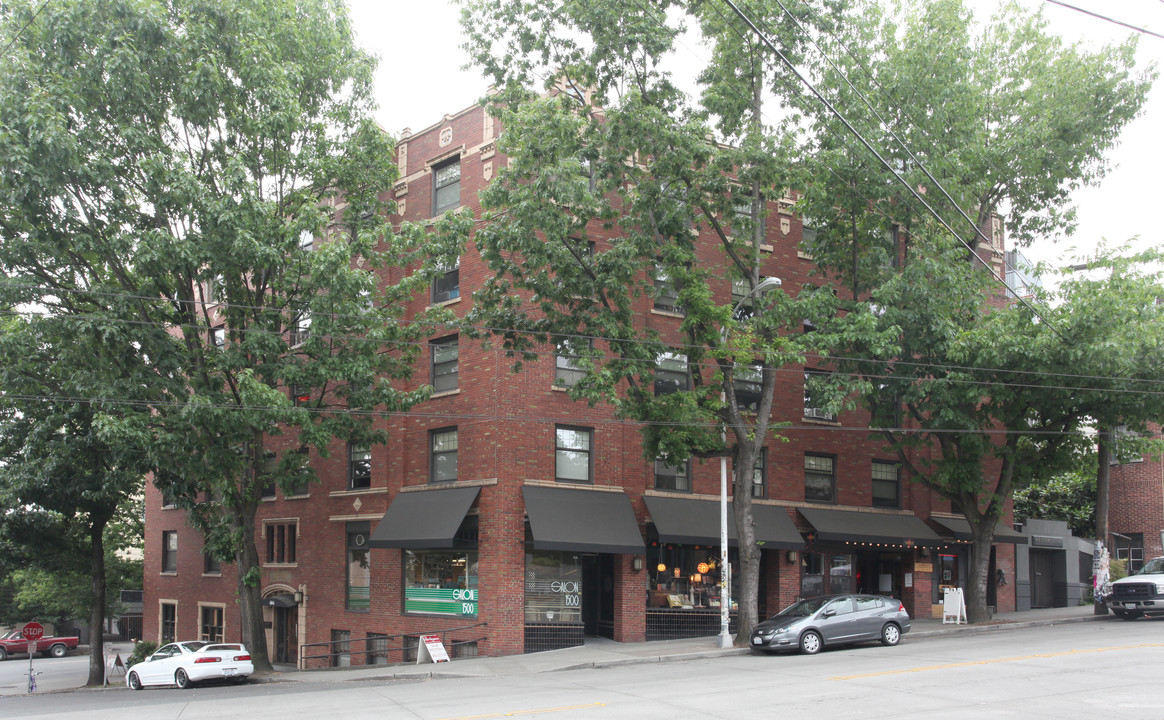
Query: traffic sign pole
(32, 632)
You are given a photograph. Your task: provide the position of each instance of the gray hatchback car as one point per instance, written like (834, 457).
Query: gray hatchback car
(812, 624)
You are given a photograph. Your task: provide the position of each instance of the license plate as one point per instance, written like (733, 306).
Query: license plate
(757, 641)
(227, 672)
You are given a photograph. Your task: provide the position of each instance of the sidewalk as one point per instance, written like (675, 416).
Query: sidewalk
(602, 653)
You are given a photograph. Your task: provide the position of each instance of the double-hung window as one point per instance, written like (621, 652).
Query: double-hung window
(573, 460)
(748, 381)
(359, 466)
(300, 329)
(671, 374)
(443, 455)
(446, 181)
(567, 369)
(814, 403)
(281, 540)
(446, 285)
(886, 484)
(169, 551)
(444, 364)
(666, 295)
(673, 477)
(820, 478)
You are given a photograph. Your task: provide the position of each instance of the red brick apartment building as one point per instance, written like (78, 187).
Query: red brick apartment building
(463, 522)
(1136, 508)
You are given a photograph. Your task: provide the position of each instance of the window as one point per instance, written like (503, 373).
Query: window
(443, 458)
(306, 241)
(814, 401)
(267, 489)
(281, 542)
(742, 217)
(666, 296)
(303, 476)
(447, 284)
(377, 649)
(215, 290)
(740, 290)
(300, 396)
(359, 466)
(218, 336)
(820, 480)
(359, 569)
(210, 564)
(808, 233)
(886, 484)
(169, 497)
(1130, 547)
(169, 620)
(211, 625)
(169, 551)
(748, 381)
(341, 648)
(760, 475)
(671, 374)
(440, 582)
(444, 364)
(673, 477)
(572, 457)
(889, 242)
(300, 329)
(446, 181)
(567, 369)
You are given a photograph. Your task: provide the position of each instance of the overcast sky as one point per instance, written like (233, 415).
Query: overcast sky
(420, 78)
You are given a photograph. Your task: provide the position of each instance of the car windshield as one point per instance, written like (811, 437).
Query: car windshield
(804, 608)
(1153, 566)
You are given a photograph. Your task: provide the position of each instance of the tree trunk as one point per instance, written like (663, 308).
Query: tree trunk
(97, 603)
(250, 589)
(1102, 496)
(748, 613)
(977, 610)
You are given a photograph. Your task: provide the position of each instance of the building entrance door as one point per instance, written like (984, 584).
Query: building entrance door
(598, 595)
(1042, 578)
(287, 635)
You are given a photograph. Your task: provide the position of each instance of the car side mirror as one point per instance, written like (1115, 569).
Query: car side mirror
(150, 658)
(828, 613)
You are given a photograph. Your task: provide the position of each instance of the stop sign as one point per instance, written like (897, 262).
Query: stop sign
(33, 631)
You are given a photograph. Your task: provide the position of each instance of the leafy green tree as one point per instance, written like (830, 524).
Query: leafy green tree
(68, 464)
(982, 119)
(617, 152)
(205, 179)
(1069, 497)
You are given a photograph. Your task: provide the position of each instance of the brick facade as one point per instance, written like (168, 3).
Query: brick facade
(1136, 505)
(505, 426)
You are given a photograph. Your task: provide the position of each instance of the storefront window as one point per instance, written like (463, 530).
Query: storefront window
(824, 573)
(811, 575)
(841, 574)
(553, 587)
(440, 582)
(686, 576)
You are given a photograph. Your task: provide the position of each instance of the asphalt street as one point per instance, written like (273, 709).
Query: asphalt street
(1103, 669)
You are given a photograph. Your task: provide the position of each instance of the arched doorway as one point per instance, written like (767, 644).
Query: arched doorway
(281, 622)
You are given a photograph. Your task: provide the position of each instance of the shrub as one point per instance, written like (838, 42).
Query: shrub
(141, 651)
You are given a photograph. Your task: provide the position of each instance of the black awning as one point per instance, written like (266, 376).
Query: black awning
(424, 519)
(696, 522)
(285, 600)
(858, 526)
(583, 520)
(960, 529)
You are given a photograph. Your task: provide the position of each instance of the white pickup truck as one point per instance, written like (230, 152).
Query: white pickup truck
(1139, 594)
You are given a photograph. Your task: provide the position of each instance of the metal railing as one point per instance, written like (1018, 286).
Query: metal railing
(376, 649)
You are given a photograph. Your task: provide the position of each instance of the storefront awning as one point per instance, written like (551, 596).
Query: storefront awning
(696, 522)
(424, 519)
(960, 528)
(857, 526)
(583, 520)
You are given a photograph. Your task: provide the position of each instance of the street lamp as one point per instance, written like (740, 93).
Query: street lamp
(725, 593)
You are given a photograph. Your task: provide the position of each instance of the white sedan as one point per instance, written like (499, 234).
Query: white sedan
(185, 663)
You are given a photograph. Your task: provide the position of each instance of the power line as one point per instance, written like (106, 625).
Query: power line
(573, 418)
(1129, 26)
(20, 32)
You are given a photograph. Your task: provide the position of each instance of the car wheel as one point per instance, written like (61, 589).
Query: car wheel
(3, 654)
(133, 681)
(181, 679)
(810, 643)
(890, 634)
(58, 650)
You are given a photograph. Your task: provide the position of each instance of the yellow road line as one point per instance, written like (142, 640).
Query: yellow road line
(970, 663)
(517, 713)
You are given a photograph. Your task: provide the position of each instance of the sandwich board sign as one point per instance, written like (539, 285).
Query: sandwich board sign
(431, 650)
(953, 606)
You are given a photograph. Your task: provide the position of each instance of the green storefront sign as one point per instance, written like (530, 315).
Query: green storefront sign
(441, 601)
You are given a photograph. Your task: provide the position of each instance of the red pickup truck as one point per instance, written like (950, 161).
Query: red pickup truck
(14, 644)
